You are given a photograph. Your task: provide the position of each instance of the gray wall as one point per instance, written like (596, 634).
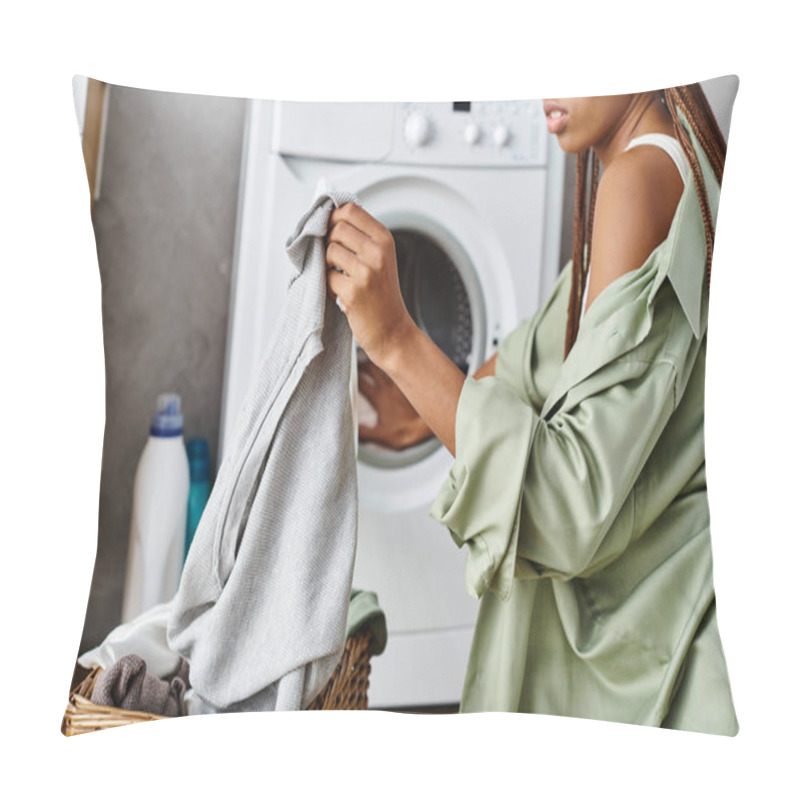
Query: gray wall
(721, 93)
(164, 224)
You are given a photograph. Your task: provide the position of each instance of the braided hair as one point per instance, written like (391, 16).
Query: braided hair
(692, 103)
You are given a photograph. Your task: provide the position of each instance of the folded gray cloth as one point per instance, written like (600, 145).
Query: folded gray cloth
(127, 684)
(261, 610)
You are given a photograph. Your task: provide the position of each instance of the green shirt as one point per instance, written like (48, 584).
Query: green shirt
(579, 491)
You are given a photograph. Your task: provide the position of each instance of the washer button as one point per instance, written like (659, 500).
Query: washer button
(501, 135)
(472, 133)
(418, 130)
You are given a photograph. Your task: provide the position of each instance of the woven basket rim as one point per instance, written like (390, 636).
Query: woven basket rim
(345, 689)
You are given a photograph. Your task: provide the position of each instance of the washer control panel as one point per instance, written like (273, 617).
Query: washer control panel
(499, 133)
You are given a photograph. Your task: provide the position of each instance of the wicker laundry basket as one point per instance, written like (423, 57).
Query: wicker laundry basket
(346, 689)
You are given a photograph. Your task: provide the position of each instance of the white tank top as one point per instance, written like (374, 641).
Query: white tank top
(672, 147)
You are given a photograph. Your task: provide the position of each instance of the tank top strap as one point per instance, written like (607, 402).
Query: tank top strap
(671, 146)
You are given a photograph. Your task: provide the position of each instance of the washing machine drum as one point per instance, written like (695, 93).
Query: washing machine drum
(437, 295)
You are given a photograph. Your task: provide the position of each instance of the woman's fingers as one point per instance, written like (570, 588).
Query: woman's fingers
(346, 260)
(366, 433)
(375, 434)
(352, 238)
(356, 216)
(339, 286)
(364, 250)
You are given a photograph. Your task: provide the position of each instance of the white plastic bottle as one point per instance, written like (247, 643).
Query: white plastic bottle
(158, 521)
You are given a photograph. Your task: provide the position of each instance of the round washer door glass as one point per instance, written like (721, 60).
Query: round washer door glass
(435, 294)
(438, 300)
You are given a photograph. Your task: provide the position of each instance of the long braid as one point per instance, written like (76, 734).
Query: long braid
(590, 222)
(692, 102)
(578, 234)
(581, 240)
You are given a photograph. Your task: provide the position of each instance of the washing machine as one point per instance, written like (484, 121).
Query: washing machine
(472, 192)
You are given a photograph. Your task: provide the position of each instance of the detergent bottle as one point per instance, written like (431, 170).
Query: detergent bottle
(158, 520)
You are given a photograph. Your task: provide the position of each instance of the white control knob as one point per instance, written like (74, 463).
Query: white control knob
(472, 133)
(418, 130)
(501, 135)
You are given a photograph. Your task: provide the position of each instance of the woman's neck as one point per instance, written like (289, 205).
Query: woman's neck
(645, 114)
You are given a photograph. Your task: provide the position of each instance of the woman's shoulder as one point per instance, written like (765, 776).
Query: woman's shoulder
(636, 201)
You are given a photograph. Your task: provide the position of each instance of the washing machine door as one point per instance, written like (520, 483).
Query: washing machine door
(442, 294)
(440, 291)
(439, 267)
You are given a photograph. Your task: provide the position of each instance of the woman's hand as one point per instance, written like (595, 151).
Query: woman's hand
(362, 274)
(398, 426)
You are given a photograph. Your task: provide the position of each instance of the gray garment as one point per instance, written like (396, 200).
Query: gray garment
(261, 609)
(127, 684)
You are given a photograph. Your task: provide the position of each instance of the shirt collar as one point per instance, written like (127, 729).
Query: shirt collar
(685, 246)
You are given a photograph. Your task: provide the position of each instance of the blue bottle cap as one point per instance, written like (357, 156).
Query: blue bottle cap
(168, 419)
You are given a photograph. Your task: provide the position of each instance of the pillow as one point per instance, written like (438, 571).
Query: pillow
(576, 500)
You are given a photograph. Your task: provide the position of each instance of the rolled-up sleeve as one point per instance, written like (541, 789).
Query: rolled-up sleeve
(532, 497)
(480, 500)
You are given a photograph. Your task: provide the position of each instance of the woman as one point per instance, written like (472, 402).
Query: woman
(578, 485)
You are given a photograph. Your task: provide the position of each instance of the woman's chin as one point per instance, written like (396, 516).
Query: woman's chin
(568, 144)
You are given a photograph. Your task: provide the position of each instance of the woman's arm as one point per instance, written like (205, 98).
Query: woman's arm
(363, 275)
(398, 424)
(431, 382)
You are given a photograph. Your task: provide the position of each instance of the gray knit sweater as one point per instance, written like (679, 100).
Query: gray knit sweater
(261, 610)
